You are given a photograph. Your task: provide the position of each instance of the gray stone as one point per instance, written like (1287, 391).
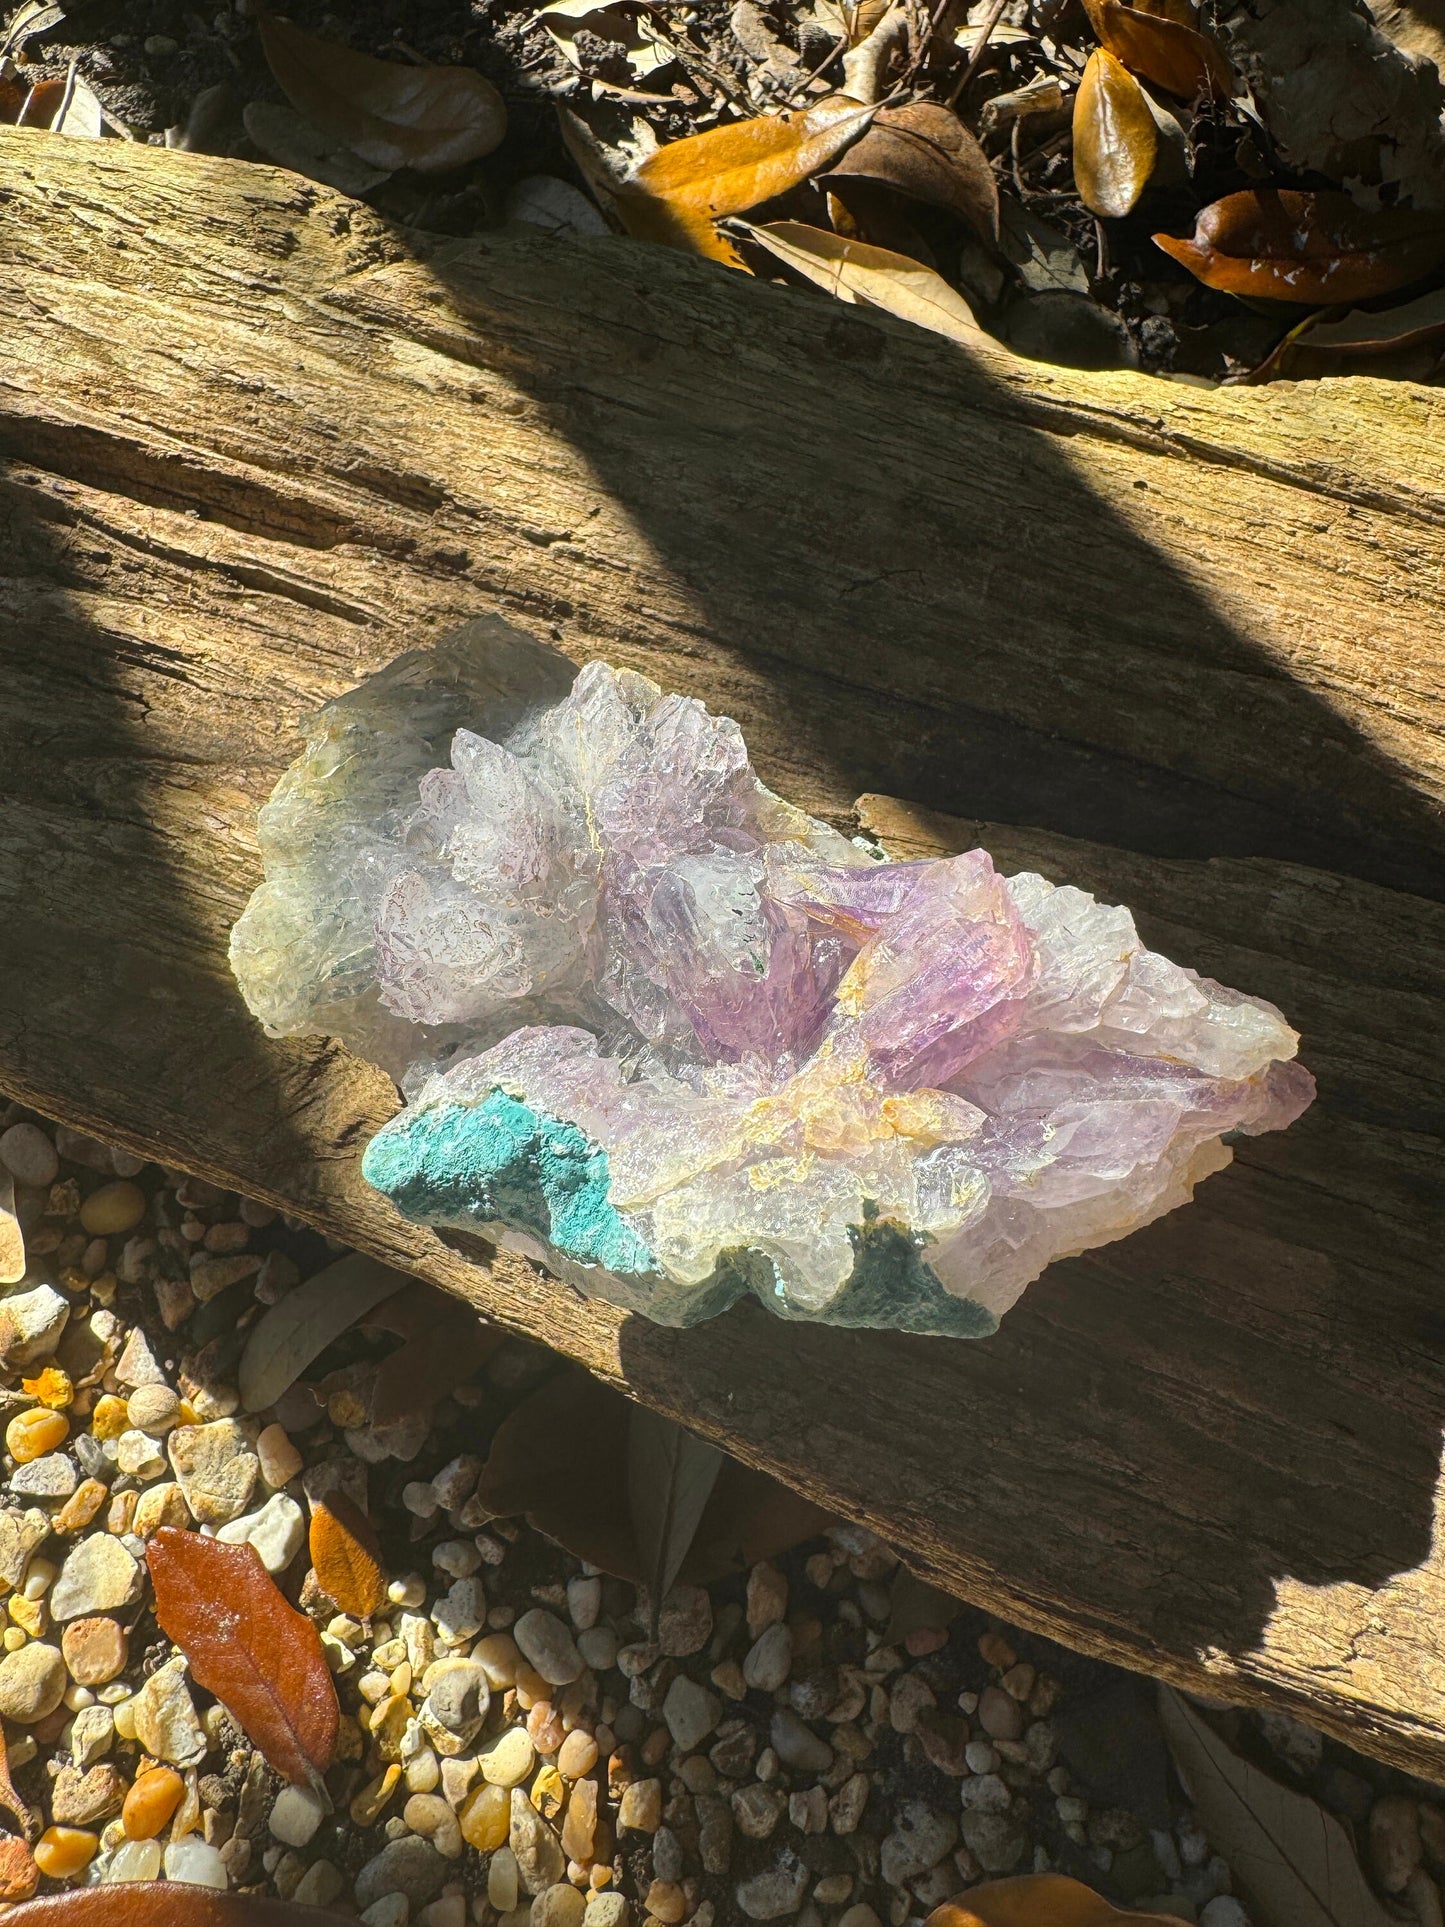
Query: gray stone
(917, 1843)
(20, 1534)
(986, 1793)
(410, 1866)
(775, 1892)
(53, 1476)
(690, 1713)
(28, 1155)
(31, 1323)
(215, 1468)
(549, 1646)
(540, 1860)
(757, 1810)
(798, 1746)
(32, 1683)
(100, 1576)
(996, 1840)
(1395, 1845)
(770, 1659)
(999, 1714)
(684, 1625)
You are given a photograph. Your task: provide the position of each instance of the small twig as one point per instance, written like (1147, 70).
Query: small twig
(995, 14)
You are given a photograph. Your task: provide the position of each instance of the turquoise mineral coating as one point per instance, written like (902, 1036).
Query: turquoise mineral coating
(502, 1162)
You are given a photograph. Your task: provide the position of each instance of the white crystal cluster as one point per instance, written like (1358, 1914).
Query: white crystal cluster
(680, 1041)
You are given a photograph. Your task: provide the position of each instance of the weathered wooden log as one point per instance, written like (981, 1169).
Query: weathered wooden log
(257, 442)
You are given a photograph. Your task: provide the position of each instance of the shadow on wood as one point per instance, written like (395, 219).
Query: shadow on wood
(256, 446)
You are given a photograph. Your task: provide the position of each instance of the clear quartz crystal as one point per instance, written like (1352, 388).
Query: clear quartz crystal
(680, 1041)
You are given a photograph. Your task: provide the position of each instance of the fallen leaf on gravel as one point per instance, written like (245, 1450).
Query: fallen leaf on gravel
(1278, 244)
(435, 1362)
(876, 277)
(1291, 1860)
(300, 1326)
(676, 195)
(844, 20)
(290, 140)
(924, 151)
(259, 1656)
(164, 1903)
(347, 1555)
(65, 105)
(1116, 142)
(543, 201)
(560, 1460)
(1175, 56)
(670, 1478)
(1039, 1900)
(12, 1238)
(1362, 333)
(427, 118)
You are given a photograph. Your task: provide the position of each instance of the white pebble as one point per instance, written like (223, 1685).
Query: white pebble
(276, 1531)
(457, 1557)
(136, 1860)
(422, 1502)
(295, 1816)
(197, 1864)
(502, 1880)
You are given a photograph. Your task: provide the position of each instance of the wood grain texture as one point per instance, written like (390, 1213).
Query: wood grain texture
(256, 443)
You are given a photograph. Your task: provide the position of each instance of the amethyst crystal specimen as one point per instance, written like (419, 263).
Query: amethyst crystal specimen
(679, 1041)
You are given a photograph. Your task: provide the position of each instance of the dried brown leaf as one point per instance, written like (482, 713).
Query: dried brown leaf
(164, 1903)
(854, 272)
(560, 1460)
(924, 150)
(1279, 244)
(427, 118)
(1174, 55)
(259, 1656)
(677, 193)
(347, 1555)
(1116, 142)
(670, 1478)
(431, 1364)
(65, 105)
(1293, 1861)
(1038, 1900)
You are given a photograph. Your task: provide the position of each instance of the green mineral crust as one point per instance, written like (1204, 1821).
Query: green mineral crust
(681, 1042)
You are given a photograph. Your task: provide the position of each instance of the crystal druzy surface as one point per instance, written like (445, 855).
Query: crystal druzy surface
(680, 1041)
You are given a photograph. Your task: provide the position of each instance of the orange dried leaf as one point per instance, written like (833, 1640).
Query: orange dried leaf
(347, 1555)
(1116, 142)
(1038, 1900)
(164, 1903)
(678, 192)
(1279, 244)
(924, 150)
(259, 1656)
(1176, 57)
(427, 118)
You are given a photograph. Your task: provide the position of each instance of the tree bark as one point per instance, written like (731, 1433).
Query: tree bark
(257, 443)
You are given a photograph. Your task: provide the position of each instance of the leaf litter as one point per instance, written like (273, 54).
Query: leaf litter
(989, 120)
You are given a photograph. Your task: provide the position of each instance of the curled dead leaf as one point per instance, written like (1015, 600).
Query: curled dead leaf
(1380, 333)
(1172, 53)
(259, 1656)
(65, 105)
(427, 118)
(677, 194)
(347, 1556)
(1116, 142)
(1038, 1900)
(924, 150)
(854, 272)
(1280, 244)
